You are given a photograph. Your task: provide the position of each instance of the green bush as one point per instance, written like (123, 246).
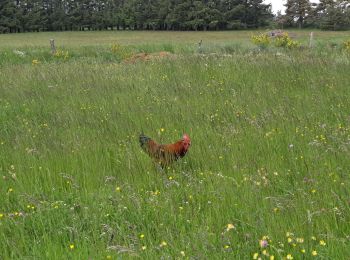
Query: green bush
(283, 40)
(121, 51)
(346, 45)
(262, 40)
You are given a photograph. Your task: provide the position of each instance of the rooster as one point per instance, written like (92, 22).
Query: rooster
(165, 154)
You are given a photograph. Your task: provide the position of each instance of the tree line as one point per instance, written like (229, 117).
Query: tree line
(327, 14)
(58, 15)
(62, 15)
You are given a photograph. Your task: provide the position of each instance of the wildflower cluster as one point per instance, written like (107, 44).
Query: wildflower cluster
(346, 45)
(61, 54)
(121, 51)
(262, 40)
(35, 62)
(292, 248)
(283, 40)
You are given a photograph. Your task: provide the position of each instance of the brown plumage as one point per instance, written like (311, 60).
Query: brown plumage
(165, 154)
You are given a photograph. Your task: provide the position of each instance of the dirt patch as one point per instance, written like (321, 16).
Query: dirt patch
(141, 57)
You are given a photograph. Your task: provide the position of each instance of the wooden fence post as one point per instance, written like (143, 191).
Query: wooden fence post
(311, 43)
(200, 46)
(53, 48)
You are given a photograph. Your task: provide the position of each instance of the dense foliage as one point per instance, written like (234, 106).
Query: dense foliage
(327, 14)
(64, 15)
(54, 15)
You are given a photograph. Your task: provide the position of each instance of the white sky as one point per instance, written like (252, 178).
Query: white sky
(278, 4)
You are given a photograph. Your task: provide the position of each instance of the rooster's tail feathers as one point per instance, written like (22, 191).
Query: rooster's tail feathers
(144, 140)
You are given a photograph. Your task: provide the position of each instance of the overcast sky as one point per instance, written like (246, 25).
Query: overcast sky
(278, 4)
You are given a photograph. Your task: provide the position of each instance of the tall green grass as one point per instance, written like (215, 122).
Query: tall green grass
(270, 155)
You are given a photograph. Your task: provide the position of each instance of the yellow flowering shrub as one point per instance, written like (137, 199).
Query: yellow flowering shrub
(285, 41)
(346, 45)
(262, 40)
(121, 51)
(61, 54)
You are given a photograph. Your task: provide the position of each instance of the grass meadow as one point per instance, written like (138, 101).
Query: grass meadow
(267, 175)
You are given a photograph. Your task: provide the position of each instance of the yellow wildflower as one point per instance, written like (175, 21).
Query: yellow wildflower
(314, 253)
(255, 256)
(289, 234)
(182, 253)
(229, 227)
(300, 240)
(71, 246)
(303, 251)
(322, 243)
(144, 247)
(118, 189)
(163, 244)
(289, 257)
(142, 236)
(272, 257)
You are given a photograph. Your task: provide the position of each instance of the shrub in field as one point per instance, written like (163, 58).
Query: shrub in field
(35, 62)
(121, 51)
(262, 40)
(61, 54)
(282, 40)
(285, 41)
(346, 45)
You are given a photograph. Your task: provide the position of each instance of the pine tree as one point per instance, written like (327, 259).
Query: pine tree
(53, 15)
(258, 13)
(334, 14)
(297, 11)
(9, 16)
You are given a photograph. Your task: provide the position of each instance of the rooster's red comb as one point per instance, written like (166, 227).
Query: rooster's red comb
(186, 137)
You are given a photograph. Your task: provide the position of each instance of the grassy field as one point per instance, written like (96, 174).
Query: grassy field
(79, 39)
(267, 173)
